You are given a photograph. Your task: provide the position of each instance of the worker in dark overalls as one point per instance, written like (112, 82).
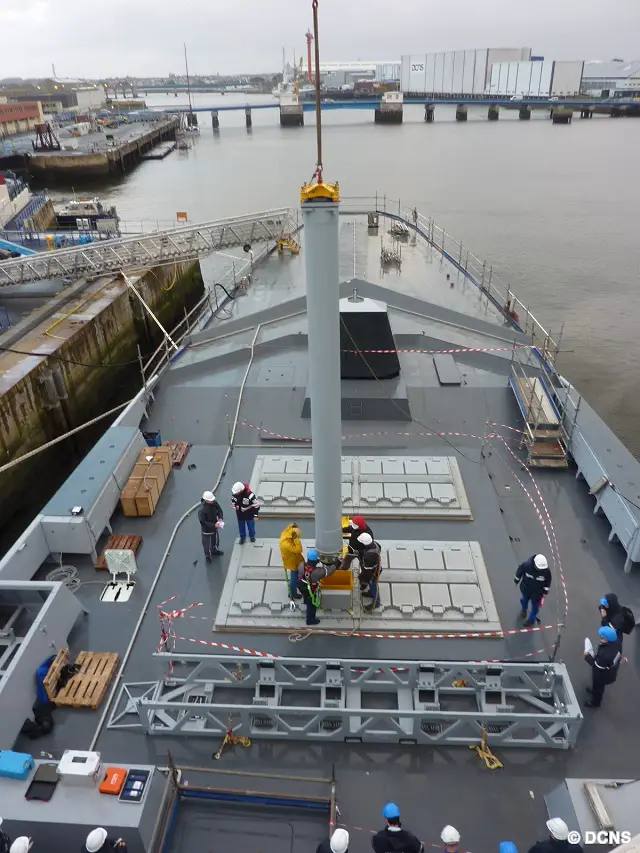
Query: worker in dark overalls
(370, 568)
(310, 573)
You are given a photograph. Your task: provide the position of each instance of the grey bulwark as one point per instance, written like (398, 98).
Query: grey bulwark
(425, 587)
(387, 486)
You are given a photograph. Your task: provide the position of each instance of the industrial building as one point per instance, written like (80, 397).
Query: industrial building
(539, 78)
(56, 95)
(455, 72)
(335, 75)
(19, 117)
(614, 79)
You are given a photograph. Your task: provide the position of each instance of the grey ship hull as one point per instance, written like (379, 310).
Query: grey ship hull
(195, 399)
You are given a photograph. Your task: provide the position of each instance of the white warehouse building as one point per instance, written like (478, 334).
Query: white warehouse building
(540, 79)
(455, 72)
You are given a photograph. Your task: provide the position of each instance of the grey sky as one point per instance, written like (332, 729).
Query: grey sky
(144, 37)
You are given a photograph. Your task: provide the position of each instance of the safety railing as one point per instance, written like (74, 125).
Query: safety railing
(202, 312)
(477, 271)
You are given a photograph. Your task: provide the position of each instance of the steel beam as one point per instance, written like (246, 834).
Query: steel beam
(176, 245)
(418, 702)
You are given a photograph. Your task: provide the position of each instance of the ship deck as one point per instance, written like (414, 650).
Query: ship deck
(430, 307)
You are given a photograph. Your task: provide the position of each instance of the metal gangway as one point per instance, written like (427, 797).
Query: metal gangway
(176, 245)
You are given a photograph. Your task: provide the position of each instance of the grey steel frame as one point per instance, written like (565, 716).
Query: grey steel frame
(517, 704)
(147, 250)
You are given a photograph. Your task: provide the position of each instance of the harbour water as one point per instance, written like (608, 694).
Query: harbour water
(554, 208)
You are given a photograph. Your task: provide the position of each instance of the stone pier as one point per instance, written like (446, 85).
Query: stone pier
(123, 153)
(89, 337)
(493, 113)
(247, 117)
(461, 112)
(586, 113)
(390, 110)
(429, 112)
(561, 115)
(215, 120)
(524, 113)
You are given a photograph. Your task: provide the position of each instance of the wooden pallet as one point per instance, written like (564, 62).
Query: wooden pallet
(88, 687)
(179, 450)
(122, 542)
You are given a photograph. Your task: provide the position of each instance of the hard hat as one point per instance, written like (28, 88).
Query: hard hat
(608, 633)
(540, 561)
(312, 555)
(21, 845)
(450, 835)
(358, 522)
(95, 839)
(237, 488)
(339, 842)
(508, 847)
(558, 829)
(209, 497)
(391, 810)
(365, 539)
(604, 602)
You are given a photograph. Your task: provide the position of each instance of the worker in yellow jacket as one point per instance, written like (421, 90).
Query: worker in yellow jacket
(291, 552)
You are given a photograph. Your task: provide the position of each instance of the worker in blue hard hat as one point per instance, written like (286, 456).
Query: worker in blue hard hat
(310, 572)
(604, 663)
(394, 838)
(507, 847)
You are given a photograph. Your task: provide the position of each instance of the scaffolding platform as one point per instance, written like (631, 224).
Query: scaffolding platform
(457, 703)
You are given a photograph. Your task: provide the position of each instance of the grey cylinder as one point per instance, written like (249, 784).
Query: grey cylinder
(323, 315)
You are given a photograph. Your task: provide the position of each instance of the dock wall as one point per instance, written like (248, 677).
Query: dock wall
(44, 397)
(118, 159)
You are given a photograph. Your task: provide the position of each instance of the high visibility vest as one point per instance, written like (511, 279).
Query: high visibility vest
(314, 594)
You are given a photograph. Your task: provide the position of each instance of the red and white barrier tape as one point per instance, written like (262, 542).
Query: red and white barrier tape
(441, 351)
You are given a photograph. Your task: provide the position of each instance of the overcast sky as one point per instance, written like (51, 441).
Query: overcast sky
(144, 37)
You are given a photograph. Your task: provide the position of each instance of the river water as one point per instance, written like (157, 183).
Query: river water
(553, 207)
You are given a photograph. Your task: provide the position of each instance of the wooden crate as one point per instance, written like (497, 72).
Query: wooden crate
(121, 542)
(128, 497)
(154, 471)
(88, 687)
(179, 450)
(161, 456)
(147, 496)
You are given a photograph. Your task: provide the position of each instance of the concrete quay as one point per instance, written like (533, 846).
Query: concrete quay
(72, 359)
(114, 152)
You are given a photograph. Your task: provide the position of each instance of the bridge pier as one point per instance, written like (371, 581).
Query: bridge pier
(247, 117)
(617, 112)
(215, 120)
(586, 113)
(461, 112)
(494, 112)
(291, 115)
(429, 112)
(192, 119)
(561, 115)
(524, 113)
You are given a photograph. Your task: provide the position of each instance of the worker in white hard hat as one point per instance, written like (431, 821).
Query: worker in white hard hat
(558, 840)
(210, 517)
(338, 843)
(22, 844)
(534, 578)
(98, 841)
(5, 841)
(450, 837)
(370, 567)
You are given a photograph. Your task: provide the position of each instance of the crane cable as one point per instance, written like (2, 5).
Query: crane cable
(318, 172)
